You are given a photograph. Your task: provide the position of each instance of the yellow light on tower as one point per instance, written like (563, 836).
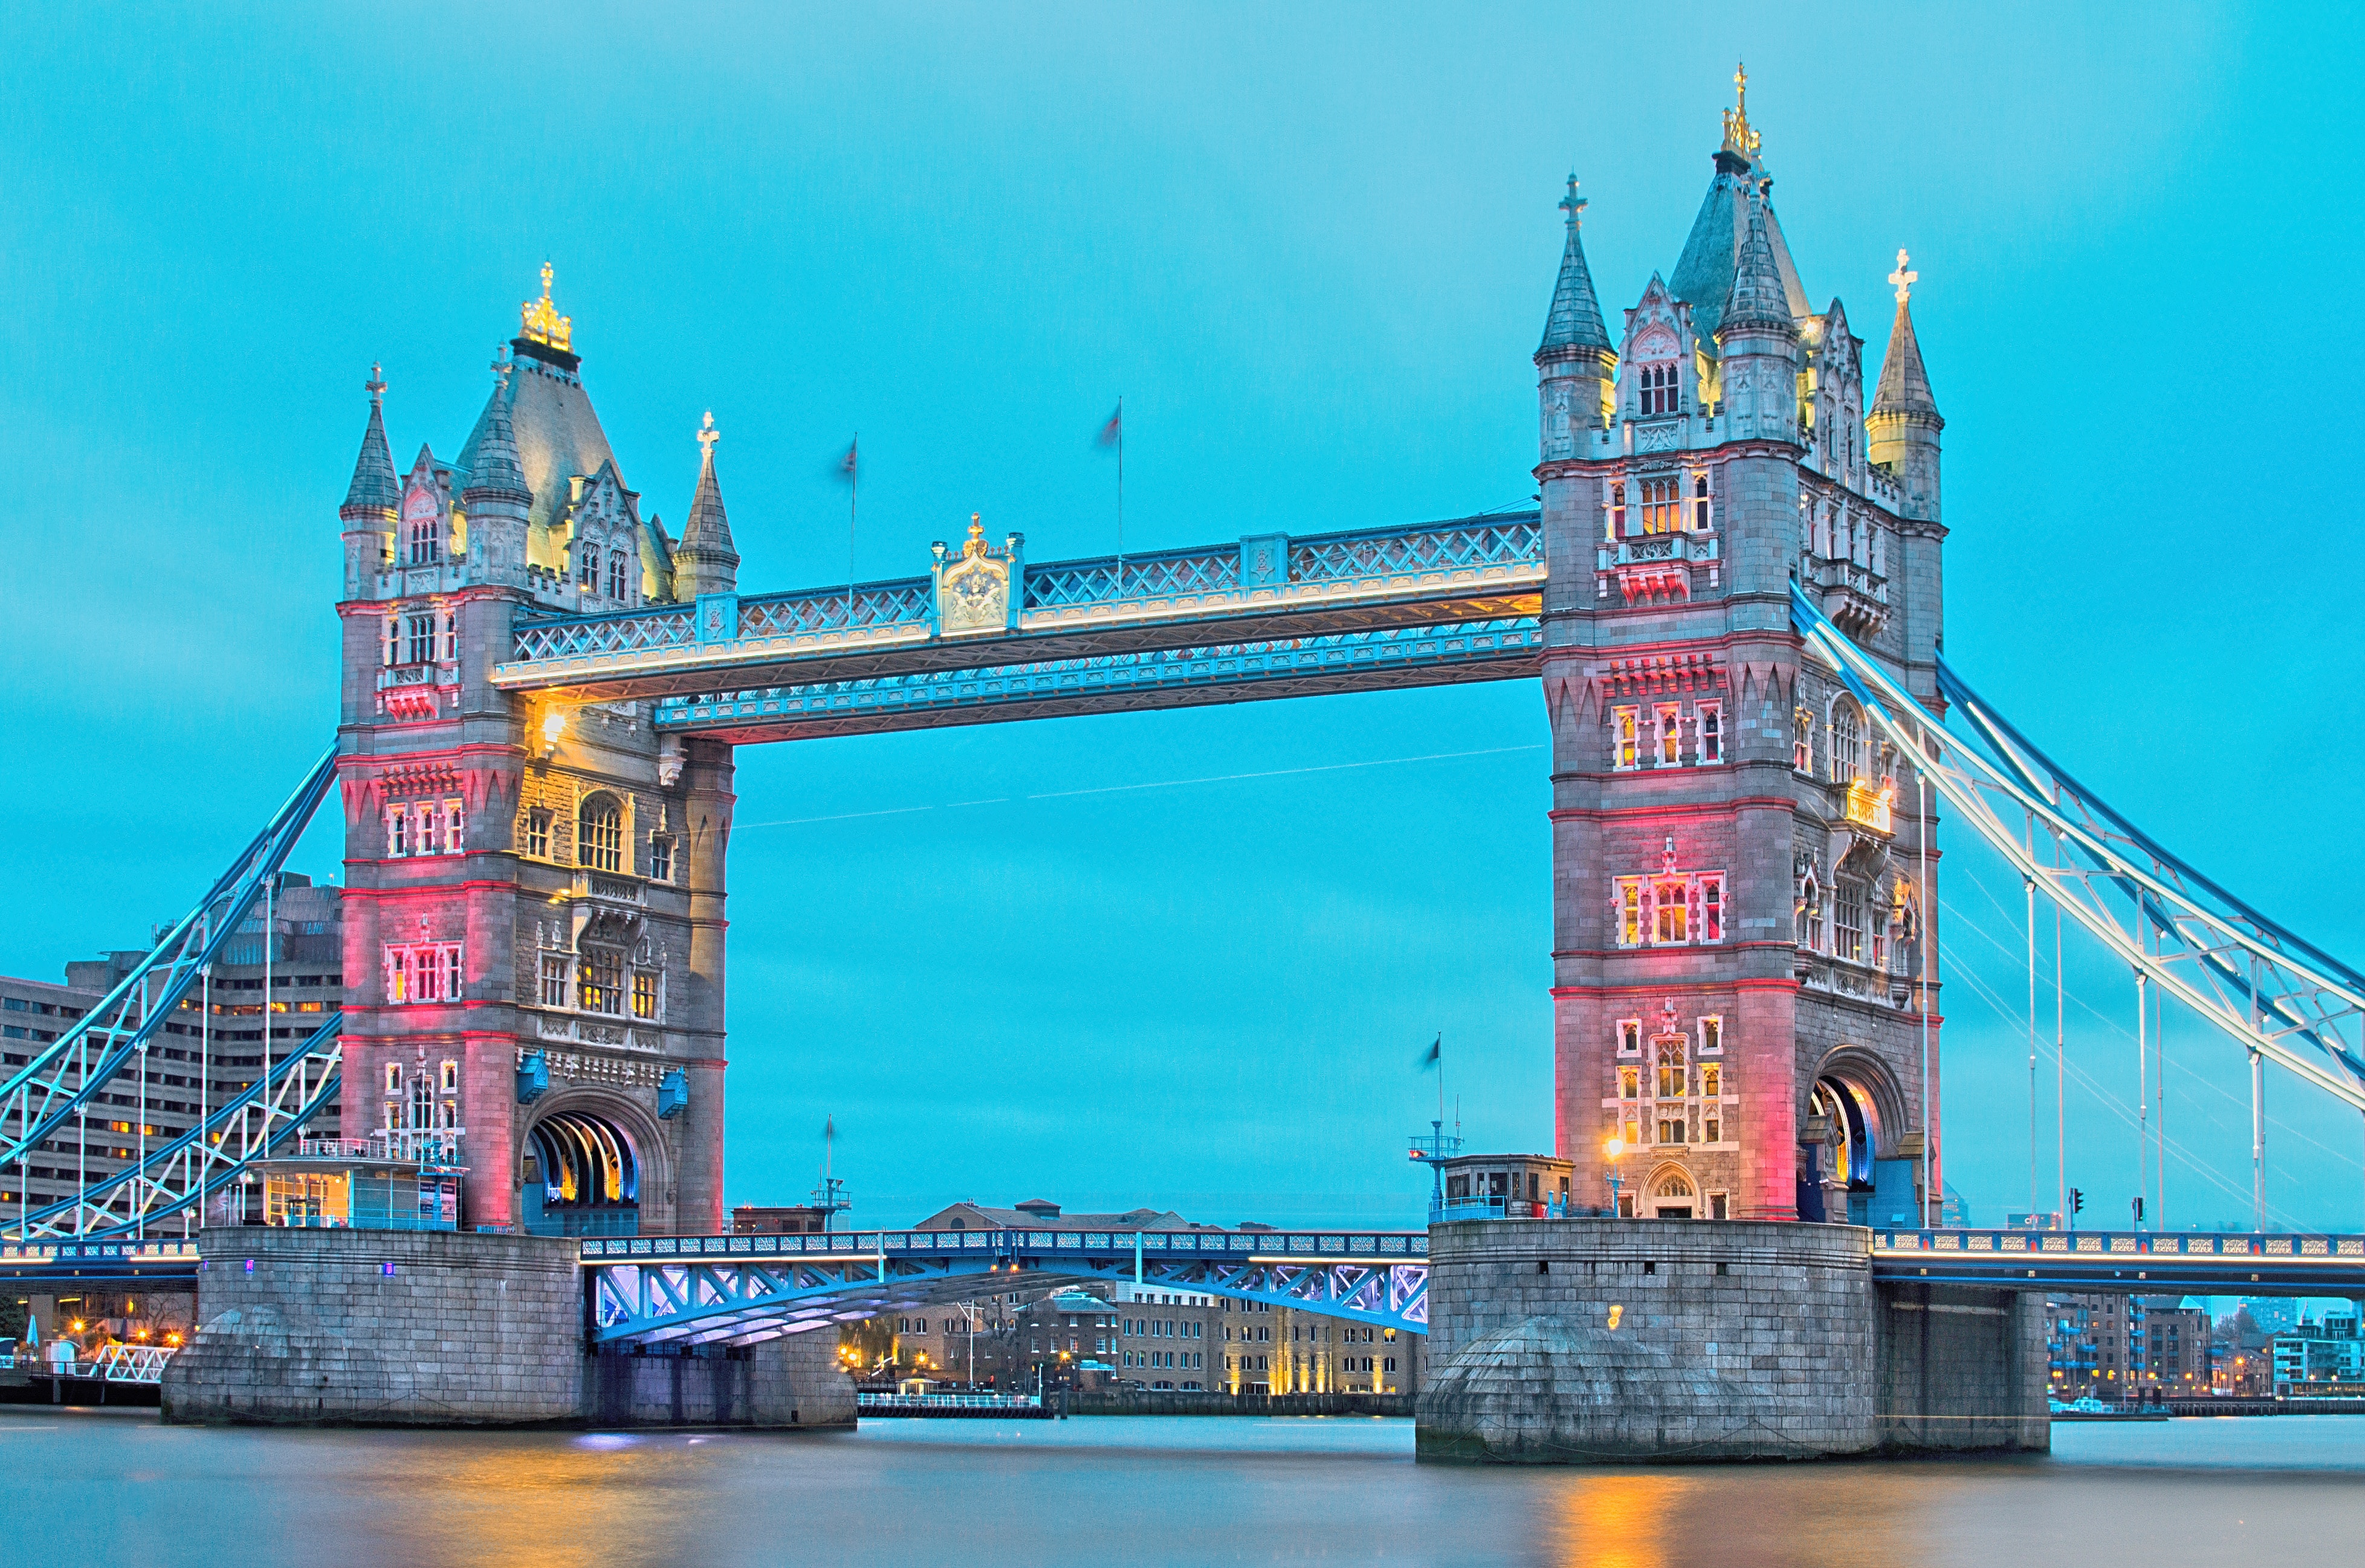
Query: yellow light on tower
(554, 724)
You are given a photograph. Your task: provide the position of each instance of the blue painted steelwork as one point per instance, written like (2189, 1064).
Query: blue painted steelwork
(1262, 588)
(739, 1289)
(2126, 1263)
(108, 1045)
(1163, 677)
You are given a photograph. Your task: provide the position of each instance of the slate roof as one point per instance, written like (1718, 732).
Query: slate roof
(1904, 385)
(376, 487)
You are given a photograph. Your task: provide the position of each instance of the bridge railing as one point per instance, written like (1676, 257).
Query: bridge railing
(1313, 1246)
(2107, 1244)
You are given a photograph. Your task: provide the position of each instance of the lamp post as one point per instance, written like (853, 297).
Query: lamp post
(1613, 1148)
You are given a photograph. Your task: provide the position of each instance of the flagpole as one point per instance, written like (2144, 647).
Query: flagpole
(853, 504)
(1120, 495)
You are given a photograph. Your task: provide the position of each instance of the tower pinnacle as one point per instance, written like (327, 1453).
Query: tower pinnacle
(1739, 140)
(497, 475)
(1903, 280)
(1575, 319)
(540, 322)
(705, 561)
(374, 493)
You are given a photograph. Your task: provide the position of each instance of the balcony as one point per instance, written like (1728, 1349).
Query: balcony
(612, 888)
(1855, 597)
(416, 690)
(1657, 568)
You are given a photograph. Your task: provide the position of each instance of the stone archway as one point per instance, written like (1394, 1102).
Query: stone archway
(1671, 1194)
(591, 1162)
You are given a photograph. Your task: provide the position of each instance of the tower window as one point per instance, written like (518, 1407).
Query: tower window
(426, 540)
(554, 980)
(600, 841)
(587, 566)
(1630, 1036)
(1614, 503)
(1660, 383)
(1847, 743)
(1701, 517)
(599, 980)
(660, 859)
(1847, 922)
(1669, 721)
(1625, 726)
(645, 994)
(537, 833)
(1711, 733)
(419, 638)
(616, 575)
(1712, 910)
(1671, 910)
(1802, 741)
(1711, 1037)
(1663, 510)
(1630, 908)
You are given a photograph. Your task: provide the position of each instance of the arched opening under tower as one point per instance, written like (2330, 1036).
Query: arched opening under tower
(581, 1178)
(1854, 1173)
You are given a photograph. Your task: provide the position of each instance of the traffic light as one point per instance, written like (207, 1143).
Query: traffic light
(2076, 1202)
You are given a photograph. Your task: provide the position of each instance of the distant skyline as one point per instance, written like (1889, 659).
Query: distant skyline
(1187, 960)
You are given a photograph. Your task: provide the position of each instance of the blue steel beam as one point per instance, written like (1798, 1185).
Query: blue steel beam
(1506, 649)
(2125, 1262)
(739, 1289)
(1263, 588)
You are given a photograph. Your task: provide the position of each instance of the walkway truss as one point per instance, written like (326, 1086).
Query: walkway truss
(737, 1290)
(2279, 997)
(97, 1071)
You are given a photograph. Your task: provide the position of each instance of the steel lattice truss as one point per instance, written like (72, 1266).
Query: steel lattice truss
(714, 1289)
(1399, 657)
(2274, 993)
(100, 1061)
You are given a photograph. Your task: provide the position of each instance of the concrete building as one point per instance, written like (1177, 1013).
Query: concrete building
(1740, 889)
(2323, 1356)
(2175, 1345)
(2095, 1346)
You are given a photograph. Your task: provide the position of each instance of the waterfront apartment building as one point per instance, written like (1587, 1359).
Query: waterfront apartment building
(2175, 1345)
(2322, 1357)
(2095, 1344)
(283, 962)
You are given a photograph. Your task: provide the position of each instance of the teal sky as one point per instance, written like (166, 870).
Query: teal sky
(1182, 959)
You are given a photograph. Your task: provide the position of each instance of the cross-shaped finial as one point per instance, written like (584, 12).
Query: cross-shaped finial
(1572, 203)
(708, 435)
(1903, 280)
(374, 387)
(1741, 87)
(501, 363)
(545, 280)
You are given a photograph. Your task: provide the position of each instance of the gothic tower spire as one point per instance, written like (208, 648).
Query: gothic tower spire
(1758, 341)
(1575, 319)
(1901, 429)
(374, 493)
(704, 561)
(496, 498)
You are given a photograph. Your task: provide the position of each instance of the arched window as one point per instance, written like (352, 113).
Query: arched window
(426, 540)
(616, 575)
(1660, 383)
(600, 842)
(1847, 743)
(586, 565)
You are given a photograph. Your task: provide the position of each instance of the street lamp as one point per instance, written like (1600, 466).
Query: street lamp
(1613, 1148)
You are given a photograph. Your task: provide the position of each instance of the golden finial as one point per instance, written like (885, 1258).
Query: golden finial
(541, 321)
(375, 387)
(1738, 137)
(1903, 280)
(1573, 204)
(707, 436)
(976, 545)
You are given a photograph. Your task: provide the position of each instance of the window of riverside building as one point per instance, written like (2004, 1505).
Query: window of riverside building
(418, 639)
(1711, 733)
(1662, 505)
(1702, 517)
(660, 859)
(1625, 730)
(554, 980)
(537, 833)
(1669, 721)
(1660, 384)
(645, 994)
(599, 842)
(599, 980)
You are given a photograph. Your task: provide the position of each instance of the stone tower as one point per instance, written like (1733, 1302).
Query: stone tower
(1737, 889)
(534, 906)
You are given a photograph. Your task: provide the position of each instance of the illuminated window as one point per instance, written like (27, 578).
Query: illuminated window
(1671, 911)
(423, 971)
(1848, 921)
(1802, 741)
(1660, 385)
(1630, 912)
(398, 831)
(1847, 743)
(418, 639)
(1630, 1083)
(1671, 1067)
(660, 859)
(1667, 725)
(1712, 1075)
(448, 1081)
(1625, 730)
(393, 1078)
(1712, 910)
(616, 575)
(1702, 517)
(1711, 1037)
(1711, 733)
(599, 980)
(600, 842)
(537, 833)
(554, 980)
(645, 994)
(451, 619)
(1663, 509)
(393, 638)
(1614, 502)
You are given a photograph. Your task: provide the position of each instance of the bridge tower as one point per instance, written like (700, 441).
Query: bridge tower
(1738, 888)
(533, 918)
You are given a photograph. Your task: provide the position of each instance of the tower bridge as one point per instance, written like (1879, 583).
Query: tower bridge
(1729, 597)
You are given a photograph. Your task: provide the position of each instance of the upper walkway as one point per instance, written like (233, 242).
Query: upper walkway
(988, 635)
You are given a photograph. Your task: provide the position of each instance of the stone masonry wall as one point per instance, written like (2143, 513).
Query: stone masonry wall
(1963, 1368)
(790, 1382)
(465, 1329)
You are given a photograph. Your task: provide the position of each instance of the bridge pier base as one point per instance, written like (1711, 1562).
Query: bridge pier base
(440, 1328)
(1659, 1341)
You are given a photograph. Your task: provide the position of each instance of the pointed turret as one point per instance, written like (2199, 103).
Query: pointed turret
(705, 562)
(1903, 428)
(1575, 319)
(376, 494)
(1757, 342)
(1576, 364)
(1758, 301)
(496, 475)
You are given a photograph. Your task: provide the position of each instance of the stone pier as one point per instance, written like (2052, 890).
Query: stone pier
(363, 1327)
(1603, 1341)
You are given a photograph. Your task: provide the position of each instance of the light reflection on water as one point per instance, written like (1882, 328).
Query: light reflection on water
(121, 1489)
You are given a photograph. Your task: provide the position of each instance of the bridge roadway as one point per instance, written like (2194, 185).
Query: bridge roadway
(735, 1289)
(988, 636)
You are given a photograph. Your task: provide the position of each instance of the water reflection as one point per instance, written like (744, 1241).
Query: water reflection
(1148, 1492)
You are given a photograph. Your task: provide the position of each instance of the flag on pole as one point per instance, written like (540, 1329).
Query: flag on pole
(1112, 431)
(1434, 1055)
(847, 468)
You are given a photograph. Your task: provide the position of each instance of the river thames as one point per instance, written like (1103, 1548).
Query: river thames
(119, 1488)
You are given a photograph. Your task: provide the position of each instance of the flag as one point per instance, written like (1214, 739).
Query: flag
(1114, 432)
(847, 468)
(1434, 1055)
